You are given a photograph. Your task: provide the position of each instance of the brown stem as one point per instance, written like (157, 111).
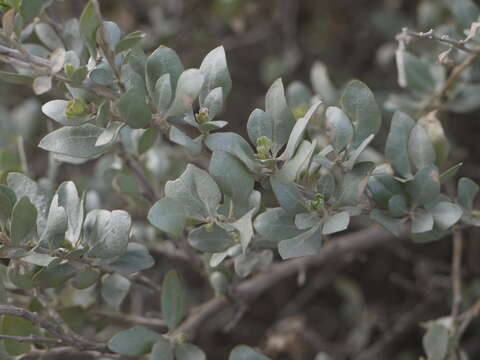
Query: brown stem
(54, 329)
(249, 290)
(148, 190)
(457, 273)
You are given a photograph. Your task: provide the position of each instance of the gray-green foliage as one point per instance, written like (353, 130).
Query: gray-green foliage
(301, 176)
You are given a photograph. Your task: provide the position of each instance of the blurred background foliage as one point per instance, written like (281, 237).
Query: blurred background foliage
(360, 302)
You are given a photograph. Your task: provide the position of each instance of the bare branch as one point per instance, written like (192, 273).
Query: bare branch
(457, 273)
(31, 339)
(54, 329)
(249, 290)
(458, 44)
(132, 319)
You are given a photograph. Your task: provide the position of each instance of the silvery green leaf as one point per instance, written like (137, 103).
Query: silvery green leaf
(196, 191)
(417, 73)
(136, 258)
(326, 186)
(75, 141)
(438, 199)
(7, 202)
(48, 36)
(288, 196)
(305, 221)
(244, 226)
(429, 236)
(210, 239)
(132, 80)
(353, 185)
(335, 223)
(321, 83)
(360, 106)
(110, 134)
(14, 78)
(354, 156)
(425, 186)
(276, 224)
(436, 341)
(162, 96)
(194, 146)
(245, 264)
(465, 12)
(188, 88)
(112, 34)
(189, 352)
(339, 128)
(214, 125)
(162, 350)
(38, 259)
(115, 288)
(465, 99)
(307, 243)
(396, 148)
(102, 74)
(174, 299)
(15, 326)
(259, 124)
(393, 225)
(54, 275)
(233, 178)
(235, 145)
(24, 186)
(467, 191)
(107, 233)
(21, 279)
(133, 108)
(217, 258)
(42, 85)
(420, 148)
(243, 352)
(283, 120)
(23, 221)
(168, 215)
(446, 214)
(56, 110)
(296, 136)
(136, 341)
(30, 9)
(57, 226)
(86, 278)
(162, 61)
(397, 206)
(422, 222)
(383, 186)
(57, 59)
(129, 41)
(214, 68)
(214, 102)
(298, 95)
(88, 25)
(147, 140)
(291, 169)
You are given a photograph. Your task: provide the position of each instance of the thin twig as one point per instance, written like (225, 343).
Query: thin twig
(132, 319)
(249, 290)
(31, 339)
(54, 329)
(457, 273)
(443, 39)
(131, 163)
